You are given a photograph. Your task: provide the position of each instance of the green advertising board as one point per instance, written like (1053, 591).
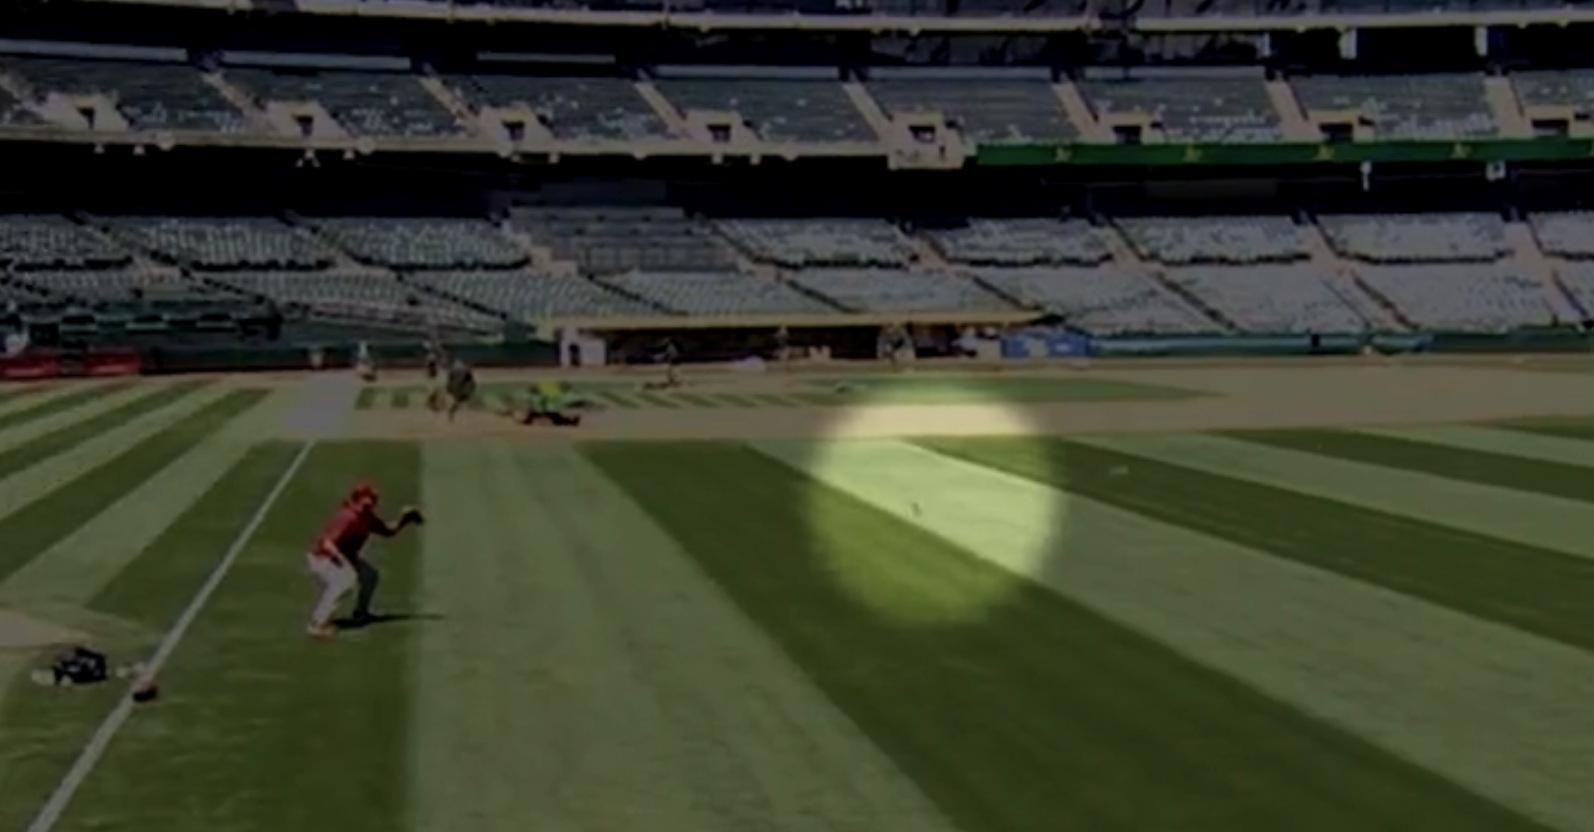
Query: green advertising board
(1293, 153)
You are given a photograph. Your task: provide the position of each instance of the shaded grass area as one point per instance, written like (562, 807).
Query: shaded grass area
(1041, 714)
(1536, 590)
(43, 728)
(32, 529)
(276, 731)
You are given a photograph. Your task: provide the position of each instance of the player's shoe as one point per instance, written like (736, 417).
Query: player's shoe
(321, 631)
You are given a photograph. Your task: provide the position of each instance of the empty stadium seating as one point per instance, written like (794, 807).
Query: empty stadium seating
(421, 243)
(150, 95)
(365, 103)
(898, 290)
(356, 293)
(1224, 109)
(1276, 299)
(1574, 89)
(1435, 107)
(1236, 240)
(1021, 242)
(1566, 234)
(1466, 296)
(1416, 238)
(778, 109)
(47, 241)
(231, 243)
(833, 242)
(717, 293)
(573, 108)
(118, 287)
(14, 114)
(524, 294)
(993, 108)
(1108, 300)
(609, 240)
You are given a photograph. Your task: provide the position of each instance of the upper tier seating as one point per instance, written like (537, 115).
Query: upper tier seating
(1434, 107)
(717, 293)
(1021, 242)
(989, 110)
(1566, 234)
(1105, 301)
(13, 113)
(1573, 89)
(1218, 109)
(525, 295)
(366, 103)
(576, 109)
(1276, 299)
(414, 243)
(830, 242)
(46, 241)
(1477, 297)
(1232, 240)
(231, 243)
(898, 290)
(609, 240)
(150, 95)
(1417, 238)
(777, 109)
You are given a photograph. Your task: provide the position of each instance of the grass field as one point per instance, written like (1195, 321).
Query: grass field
(1314, 631)
(807, 392)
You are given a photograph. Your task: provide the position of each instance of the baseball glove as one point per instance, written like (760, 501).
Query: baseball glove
(412, 516)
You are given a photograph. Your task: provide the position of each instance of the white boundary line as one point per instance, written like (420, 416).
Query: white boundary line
(90, 756)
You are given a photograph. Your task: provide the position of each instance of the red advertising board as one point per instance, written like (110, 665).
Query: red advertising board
(124, 363)
(29, 366)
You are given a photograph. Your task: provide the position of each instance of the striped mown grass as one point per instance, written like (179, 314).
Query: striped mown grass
(1305, 630)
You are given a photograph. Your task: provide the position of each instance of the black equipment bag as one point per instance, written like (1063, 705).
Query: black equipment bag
(80, 666)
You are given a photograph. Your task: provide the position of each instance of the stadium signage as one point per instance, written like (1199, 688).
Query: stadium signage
(848, 19)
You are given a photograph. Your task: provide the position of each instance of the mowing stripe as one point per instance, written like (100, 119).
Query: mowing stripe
(23, 486)
(656, 400)
(1539, 591)
(698, 400)
(1040, 709)
(733, 400)
(400, 398)
(1352, 654)
(623, 402)
(69, 436)
(366, 400)
(1496, 441)
(32, 529)
(1532, 519)
(1533, 476)
(59, 799)
(162, 487)
(774, 400)
(600, 690)
(26, 432)
(38, 407)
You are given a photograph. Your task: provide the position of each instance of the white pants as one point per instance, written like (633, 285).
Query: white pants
(337, 577)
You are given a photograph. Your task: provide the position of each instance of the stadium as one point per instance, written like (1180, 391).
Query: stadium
(993, 416)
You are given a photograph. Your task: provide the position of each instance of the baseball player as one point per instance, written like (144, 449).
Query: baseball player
(336, 558)
(461, 387)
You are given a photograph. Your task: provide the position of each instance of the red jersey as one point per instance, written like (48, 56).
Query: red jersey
(347, 533)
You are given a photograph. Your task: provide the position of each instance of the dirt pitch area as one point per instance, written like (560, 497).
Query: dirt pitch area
(1235, 394)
